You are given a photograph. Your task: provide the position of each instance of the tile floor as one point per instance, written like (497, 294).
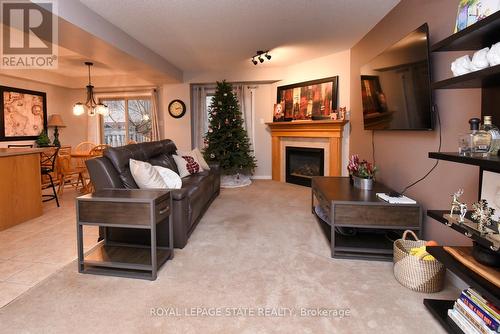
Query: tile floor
(32, 251)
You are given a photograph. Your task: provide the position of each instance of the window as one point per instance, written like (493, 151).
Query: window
(129, 119)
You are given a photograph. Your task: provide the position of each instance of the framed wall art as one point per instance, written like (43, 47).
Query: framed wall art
(23, 113)
(472, 11)
(490, 191)
(314, 99)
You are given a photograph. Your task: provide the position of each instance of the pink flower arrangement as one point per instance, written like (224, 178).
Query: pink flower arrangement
(362, 169)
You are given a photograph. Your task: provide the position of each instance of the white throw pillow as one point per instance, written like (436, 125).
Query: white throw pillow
(145, 175)
(171, 178)
(187, 165)
(199, 157)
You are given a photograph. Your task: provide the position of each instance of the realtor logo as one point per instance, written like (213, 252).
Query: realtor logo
(29, 34)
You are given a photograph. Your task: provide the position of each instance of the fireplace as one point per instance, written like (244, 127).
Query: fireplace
(302, 163)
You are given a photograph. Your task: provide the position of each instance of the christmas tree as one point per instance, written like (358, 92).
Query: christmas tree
(227, 141)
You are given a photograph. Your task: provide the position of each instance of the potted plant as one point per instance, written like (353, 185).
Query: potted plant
(362, 172)
(43, 139)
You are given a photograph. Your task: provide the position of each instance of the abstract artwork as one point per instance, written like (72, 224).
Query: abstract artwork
(471, 11)
(309, 100)
(23, 113)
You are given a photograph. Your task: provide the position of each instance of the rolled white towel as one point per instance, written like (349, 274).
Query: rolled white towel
(493, 55)
(479, 59)
(461, 66)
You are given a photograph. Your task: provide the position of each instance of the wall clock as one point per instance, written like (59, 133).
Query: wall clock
(176, 108)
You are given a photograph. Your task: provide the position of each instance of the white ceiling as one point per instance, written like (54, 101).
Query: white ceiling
(197, 35)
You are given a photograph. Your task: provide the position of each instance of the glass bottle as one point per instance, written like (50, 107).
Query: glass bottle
(495, 134)
(481, 140)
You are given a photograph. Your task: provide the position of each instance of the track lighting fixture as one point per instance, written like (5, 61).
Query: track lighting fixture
(259, 55)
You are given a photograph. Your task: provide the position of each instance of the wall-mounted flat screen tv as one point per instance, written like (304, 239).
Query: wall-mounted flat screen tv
(396, 86)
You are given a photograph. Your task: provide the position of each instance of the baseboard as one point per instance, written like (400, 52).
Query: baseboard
(456, 281)
(262, 177)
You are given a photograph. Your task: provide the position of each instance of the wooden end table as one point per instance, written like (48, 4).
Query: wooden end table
(129, 209)
(361, 210)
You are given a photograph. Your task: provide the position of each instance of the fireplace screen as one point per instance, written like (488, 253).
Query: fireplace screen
(303, 163)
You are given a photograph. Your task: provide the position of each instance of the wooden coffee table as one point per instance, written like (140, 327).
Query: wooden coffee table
(349, 209)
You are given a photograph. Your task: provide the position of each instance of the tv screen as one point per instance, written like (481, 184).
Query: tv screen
(395, 86)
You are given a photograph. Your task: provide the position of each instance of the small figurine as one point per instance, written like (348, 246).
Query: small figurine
(455, 203)
(463, 211)
(342, 113)
(482, 214)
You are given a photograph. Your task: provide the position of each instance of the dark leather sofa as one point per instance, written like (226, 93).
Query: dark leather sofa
(188, 203)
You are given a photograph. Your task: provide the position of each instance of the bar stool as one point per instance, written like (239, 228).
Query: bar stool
(48, 164)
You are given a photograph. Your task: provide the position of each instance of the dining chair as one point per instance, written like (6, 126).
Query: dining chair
(48, 167)
(65, 150)
(84, 147)
(69, 174)
(98, 150)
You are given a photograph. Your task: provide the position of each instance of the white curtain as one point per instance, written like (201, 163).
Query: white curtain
(245, 96)
(94, 130)
(199, 112)
(155, 123)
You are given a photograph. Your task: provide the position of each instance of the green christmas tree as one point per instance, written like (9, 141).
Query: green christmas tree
(227, 141)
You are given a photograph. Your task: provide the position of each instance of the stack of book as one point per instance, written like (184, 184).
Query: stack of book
(474, 314)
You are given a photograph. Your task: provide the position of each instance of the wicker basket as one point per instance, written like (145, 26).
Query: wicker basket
(414, 273)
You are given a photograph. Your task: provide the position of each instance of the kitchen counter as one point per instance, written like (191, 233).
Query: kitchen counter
(20, 184)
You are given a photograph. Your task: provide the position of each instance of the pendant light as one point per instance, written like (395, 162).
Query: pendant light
(93, 108)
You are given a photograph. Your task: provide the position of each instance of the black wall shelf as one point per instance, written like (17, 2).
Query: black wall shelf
(479, 35)
(474, 234)
(439, 310)
(484, 287)
(487, 77)
(490, 163)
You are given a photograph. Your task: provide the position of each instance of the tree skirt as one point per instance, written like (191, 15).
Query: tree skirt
(235, 181)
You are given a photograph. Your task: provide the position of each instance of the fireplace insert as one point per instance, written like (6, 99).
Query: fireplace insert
(302, 163)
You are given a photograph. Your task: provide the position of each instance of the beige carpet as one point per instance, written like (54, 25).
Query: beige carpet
(257, 250)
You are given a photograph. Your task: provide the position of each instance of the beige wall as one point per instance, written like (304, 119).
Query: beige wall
(402, 156)
(59, 101)
(179, 130)
(332, 65)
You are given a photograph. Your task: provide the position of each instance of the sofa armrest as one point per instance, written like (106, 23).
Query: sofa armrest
(178, 194)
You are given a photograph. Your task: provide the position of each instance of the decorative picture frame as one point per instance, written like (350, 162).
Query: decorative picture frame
(309, 100)
(23, 114)
(472, 11)
(279, 112)
(490, 191)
